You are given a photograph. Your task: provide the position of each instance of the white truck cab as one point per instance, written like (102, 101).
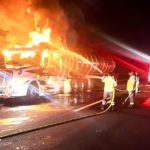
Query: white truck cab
(18, 82)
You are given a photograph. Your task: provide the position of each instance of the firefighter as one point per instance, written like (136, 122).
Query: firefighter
(109, 90)
(131, 88)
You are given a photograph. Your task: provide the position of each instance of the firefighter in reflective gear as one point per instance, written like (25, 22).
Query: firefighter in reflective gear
(109, 90)
(131, 88)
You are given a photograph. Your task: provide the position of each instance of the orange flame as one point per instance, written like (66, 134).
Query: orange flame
(39, 36)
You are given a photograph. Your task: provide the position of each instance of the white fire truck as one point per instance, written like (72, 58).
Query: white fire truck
(28, 73)
(18, 82)
(34, 72)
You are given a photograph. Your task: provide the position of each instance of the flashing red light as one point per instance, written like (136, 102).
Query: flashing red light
(149, 74)
(146, 103)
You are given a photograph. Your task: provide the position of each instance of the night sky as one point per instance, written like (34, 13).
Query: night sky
(125, 20)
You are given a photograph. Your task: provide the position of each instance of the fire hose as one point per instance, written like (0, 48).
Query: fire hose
(17, 133)
(132, 93)
(63, 122)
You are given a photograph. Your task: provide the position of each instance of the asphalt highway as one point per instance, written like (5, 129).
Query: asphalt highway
(123, 128)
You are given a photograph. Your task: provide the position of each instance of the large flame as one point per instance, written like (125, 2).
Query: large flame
(39, 36)
(30, 22)
(35, 27)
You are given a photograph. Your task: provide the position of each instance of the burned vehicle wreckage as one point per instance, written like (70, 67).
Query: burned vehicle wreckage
(33, 72)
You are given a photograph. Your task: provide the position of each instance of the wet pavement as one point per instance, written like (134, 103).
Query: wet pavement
(123, 129)
(18, 115)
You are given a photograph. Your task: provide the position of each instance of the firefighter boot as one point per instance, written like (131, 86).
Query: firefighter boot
(131, 106)
(113, 108)
(103, 105)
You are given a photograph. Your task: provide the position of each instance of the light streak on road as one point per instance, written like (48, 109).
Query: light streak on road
(13, 121)
(39, 108)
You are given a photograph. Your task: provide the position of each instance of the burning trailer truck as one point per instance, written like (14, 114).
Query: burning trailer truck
(36, 71)
(39, 65)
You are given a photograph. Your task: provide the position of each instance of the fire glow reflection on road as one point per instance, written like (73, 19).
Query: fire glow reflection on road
(13, 121)
(40, 108)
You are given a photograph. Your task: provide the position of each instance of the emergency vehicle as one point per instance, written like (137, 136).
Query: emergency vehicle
(27, 73)
(36, 71)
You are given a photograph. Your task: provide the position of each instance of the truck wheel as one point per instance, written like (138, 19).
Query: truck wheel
(33, 91)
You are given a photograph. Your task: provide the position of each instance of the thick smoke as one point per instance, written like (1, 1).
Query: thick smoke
(66, 18)
(15, 22)
(81, 15)
(19, 18)
(57, 20)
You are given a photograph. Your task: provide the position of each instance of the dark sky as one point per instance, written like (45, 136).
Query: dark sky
(101, 25)
(125, 20)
